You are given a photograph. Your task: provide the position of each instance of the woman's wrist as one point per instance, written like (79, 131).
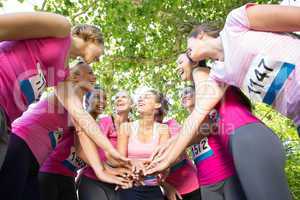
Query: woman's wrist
(99, 169)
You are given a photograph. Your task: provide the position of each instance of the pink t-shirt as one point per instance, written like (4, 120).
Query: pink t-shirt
(184, 171)
(63, 159)
(42, 126)
(212, 156)
(27, 67)
(108, 129)
(264, 65)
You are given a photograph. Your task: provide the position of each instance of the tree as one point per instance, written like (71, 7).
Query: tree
(143, 39)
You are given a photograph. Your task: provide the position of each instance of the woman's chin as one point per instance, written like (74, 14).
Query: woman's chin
(183, 77)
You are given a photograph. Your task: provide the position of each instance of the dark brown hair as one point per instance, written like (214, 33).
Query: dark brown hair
(160, 98)
(88, 33)
(212, 29)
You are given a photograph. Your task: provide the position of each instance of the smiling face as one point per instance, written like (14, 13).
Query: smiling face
(97, 101)
(122, 102)
(188, 98)
(148, 103)
(201, 44)
(88, 43)
(82, 76)
(184, 68)
(92, 51)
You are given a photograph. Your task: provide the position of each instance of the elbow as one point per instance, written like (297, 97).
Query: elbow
(61, 26)
(65, 27)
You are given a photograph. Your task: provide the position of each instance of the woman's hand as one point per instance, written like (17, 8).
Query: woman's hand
(138, 171)
(116, 159)
(118, 171)
(161, 149)
(171, 192)
(160, 154)
(104, 176)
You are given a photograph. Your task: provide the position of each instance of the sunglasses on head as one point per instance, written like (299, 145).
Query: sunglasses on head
(192, 62)
(187, 92)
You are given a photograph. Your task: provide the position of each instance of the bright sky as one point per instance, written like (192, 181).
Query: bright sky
(27, 5)
(291, 2)
(15, 6)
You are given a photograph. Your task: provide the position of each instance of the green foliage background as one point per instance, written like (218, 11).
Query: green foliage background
(143, 39)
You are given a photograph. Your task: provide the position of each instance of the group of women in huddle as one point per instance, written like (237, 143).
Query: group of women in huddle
(235, 156)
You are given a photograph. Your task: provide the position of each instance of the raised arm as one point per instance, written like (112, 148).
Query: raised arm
(164, 134)
(274, 18)
(18, 26)
(65, 93)
(208, 94)
(123, 135)
(87, 151)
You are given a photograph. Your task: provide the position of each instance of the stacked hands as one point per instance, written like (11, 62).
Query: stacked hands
(126, 173)
(130, 174)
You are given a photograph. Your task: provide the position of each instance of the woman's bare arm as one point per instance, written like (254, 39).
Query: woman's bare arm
(28, 25)
(123, 135)
(164, 134)
(67, 96)
(274, 18)
(208, 94)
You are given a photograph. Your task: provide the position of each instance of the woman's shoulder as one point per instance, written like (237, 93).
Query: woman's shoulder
(131, 123)
(162, 127)
(127, 125)
(237, 19)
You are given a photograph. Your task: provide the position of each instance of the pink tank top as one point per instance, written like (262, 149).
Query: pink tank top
(108, 129)
(139, 150)
(212, 156)
(63, 159)
(27, 67)
(184, 171)
(42, 126)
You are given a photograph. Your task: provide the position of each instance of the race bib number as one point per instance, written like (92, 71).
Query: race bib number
(33, 87)
(55, 137)
(73, 162)
(265, 79)
(201, 151)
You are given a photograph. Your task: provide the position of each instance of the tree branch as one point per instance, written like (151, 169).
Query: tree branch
(142, 60)
(84, 11)
(44, 4)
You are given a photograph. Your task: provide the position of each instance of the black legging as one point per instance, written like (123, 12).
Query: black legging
(259, 159)
(195, 195)
(142, 193)
(57, 187)
(18, 176)
(4, 133)
(90, 189)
